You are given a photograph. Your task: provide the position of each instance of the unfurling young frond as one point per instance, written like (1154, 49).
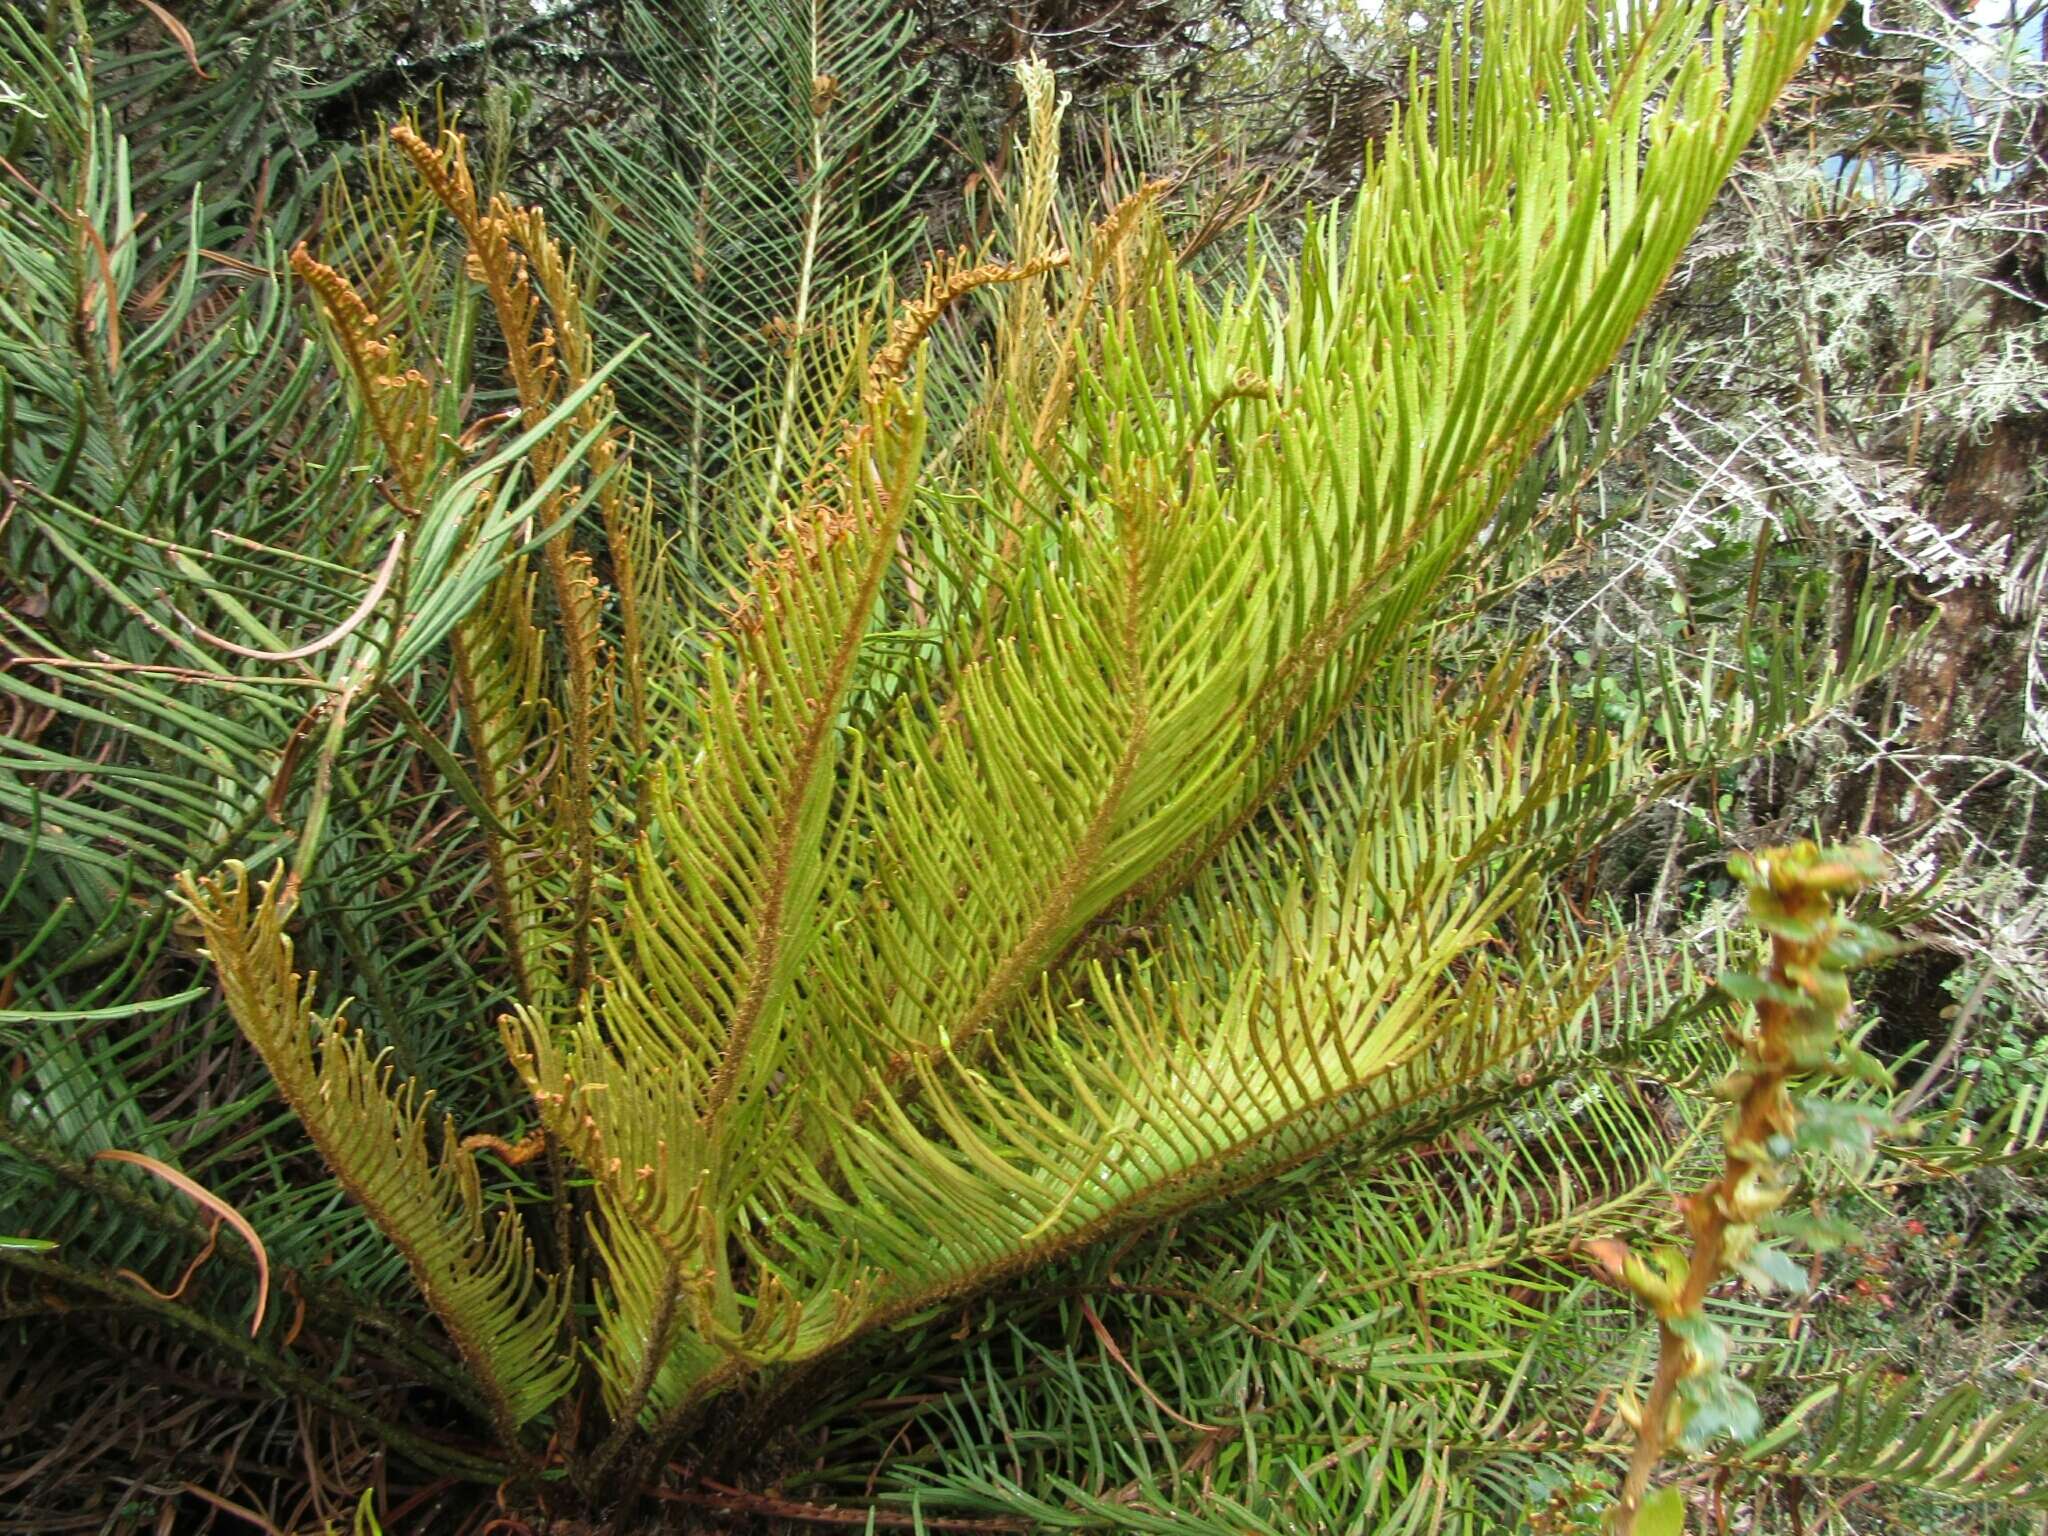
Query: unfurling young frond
(475, 1269)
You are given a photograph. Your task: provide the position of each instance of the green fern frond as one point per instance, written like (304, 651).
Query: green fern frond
(773, 184)
(1724, 707)
(1124, 675)
(1878, 1427)
(1107, 796)
(670, 1094)
(1274, 1020)
(1400, 1341)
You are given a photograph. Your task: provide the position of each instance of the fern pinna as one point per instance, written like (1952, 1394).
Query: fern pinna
(1100, 796)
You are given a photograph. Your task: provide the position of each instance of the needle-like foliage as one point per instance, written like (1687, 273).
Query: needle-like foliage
(1092, 811)
(763, 188)
(858, 1043)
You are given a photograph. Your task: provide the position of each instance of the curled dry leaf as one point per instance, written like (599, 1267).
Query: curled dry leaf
(206, 1198)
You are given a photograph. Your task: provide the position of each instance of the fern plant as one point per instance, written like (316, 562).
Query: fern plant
(1413, 1339)
(1088, 818)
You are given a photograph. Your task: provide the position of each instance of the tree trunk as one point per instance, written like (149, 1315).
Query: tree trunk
(1970, 671)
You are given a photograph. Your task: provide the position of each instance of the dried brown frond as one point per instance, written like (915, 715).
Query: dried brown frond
(97, 1397)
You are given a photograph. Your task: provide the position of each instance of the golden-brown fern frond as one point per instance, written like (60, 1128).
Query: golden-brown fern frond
(476, 1270)
(665, 1092)
(499, 671)
(397, 401)
(494, 260)
(946, 281)
(537, 688)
